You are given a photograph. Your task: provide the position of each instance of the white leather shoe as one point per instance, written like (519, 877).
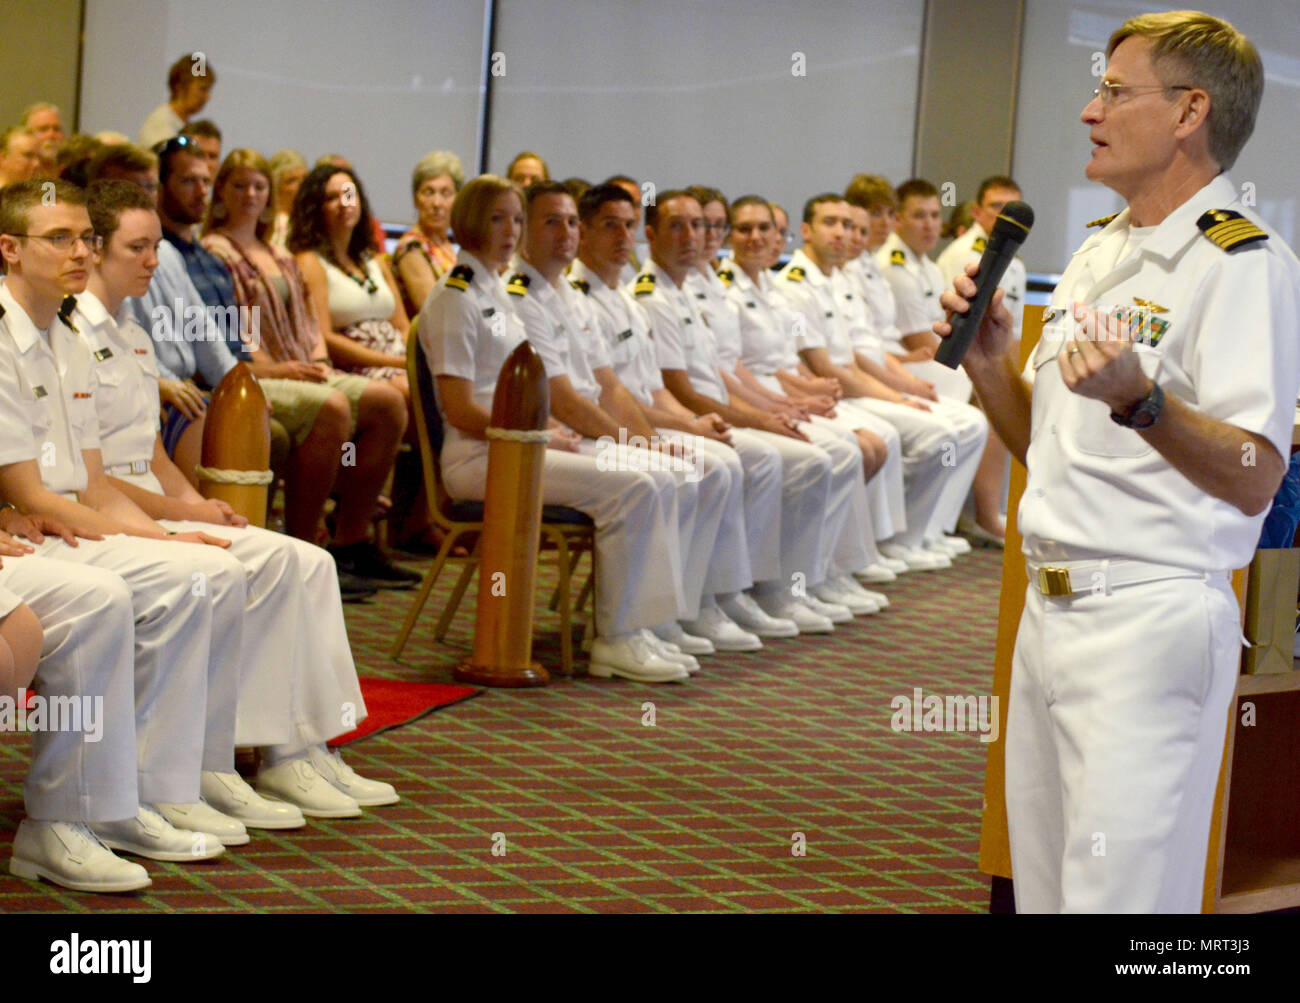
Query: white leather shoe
(939, 553)
(749, 615)
(670, 652)
(828, 592)
(200, 817)
(847, 584)
(785, 607)
(689, 643)
(893, 564)
(721, 632)
(916, 559)
(230, 794)
(68, 854)
(875, 574)
(834, 612)
(298, 783)
(957, 544)
(631, 657)
(150, 835)
(342, 777)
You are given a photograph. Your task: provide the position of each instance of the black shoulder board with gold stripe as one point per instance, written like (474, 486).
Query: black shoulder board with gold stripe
(2, 311)
(1229, 229)
(795, 274)
(978, 245)
(518, 284)
(460, 277)
(726, 275)
(897, 257)
(1102, 221)
(65, 311)
(582, 285)
(645, 284)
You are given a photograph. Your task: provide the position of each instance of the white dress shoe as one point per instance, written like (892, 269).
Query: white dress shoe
(341, 776)
(670, 652)
(833, 611)
(689, 643)
(893, 564)
(749, 615)
(956, 544)
(630, 656)
(200, 817)
(150, 835)
(875, 574)
(828, 592)
(230, 794)
(721, 632)
(785, 607)
(916, 559)
(68, 854)
(939, 552)
(849, 585)
(298, 783)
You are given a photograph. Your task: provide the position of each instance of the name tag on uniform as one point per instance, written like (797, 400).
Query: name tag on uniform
(623, 335)
(751, 304)
(489, 311)
(105, 353)
(39, 391)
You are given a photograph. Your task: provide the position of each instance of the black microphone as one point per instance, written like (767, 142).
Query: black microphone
(1009, 232)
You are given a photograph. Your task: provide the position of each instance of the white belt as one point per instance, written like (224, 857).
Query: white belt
(122, 469)
(1074, 577)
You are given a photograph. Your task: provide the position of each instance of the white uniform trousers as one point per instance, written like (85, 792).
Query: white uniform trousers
(805, 498)
(941, 451)
(299, 684)
(852, 545)
(188, 601)
(1115, 732)
(639, 581)
(885, 491)
(727, 565)
(86, 616)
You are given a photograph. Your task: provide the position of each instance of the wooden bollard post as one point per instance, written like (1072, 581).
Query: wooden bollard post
(237, 446)
(512, 519)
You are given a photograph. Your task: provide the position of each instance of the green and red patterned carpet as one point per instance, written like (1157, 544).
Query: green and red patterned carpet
(588, 808)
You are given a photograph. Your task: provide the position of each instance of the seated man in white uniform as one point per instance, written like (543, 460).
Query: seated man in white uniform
(993, 195)
(299, 681)
(607, 233)
(84, 646)
(467, 329)
(787, 517)
(1169, 354)
(940, 444)
(768, 371)
(187, 597)
(587, 396)
(916, 283)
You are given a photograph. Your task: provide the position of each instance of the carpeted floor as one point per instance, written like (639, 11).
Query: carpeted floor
(564, 799)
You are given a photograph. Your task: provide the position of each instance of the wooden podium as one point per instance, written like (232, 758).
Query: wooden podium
(1253, 863)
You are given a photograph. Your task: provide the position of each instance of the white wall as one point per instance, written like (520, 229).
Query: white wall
(1052, 144)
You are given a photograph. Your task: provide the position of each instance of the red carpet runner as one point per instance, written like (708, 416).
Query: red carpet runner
(392, 704)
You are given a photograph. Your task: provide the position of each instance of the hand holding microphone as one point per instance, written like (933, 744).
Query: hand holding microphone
(968, 303)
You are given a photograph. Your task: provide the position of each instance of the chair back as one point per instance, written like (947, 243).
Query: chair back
(428, 425)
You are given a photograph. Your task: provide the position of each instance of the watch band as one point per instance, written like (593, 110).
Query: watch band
(1145, 412)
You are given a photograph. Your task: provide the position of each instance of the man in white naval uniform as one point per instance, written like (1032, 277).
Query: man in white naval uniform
(607, 233)
(586, 396)
(1155, 418)
(185, 681)
(299, 687)
(940, 444)
(786, 527)
(467, 328)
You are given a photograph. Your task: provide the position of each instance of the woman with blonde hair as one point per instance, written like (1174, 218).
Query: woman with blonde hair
(288, 168)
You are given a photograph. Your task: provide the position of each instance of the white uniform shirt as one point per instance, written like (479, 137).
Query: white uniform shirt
(1224, 327)
(468, 329)
(766, 327)
(719, 313)
(879, 297)
(560, 328)
(682, 339)
(857, 318)
(966, 250)
(625, 329)
(125, 389)
(818, 318)
(46, 410)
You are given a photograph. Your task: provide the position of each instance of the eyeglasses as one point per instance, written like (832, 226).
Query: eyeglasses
(722, 228)
(64, 242)
(1108, 92)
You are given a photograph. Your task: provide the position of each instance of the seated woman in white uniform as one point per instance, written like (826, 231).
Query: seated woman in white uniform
(467, 330)
(299, 680)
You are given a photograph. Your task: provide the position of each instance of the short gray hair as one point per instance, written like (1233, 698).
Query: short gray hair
(32, 109)
(434, 165)
(1213, 56)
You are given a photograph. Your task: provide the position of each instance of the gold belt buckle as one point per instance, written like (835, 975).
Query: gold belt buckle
(1054, 581)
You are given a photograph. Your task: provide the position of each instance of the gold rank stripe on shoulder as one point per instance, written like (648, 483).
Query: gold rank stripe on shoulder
(518, 284)
(1101, 221)
(795, 274)
(582, 285)
(65, 312)
(726, 276)
(978, 245)
(1229, 230)
(460, 277)
(645, 285)
(897, 257)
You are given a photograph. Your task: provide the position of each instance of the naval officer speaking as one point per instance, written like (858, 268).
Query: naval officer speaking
(1154, 420)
